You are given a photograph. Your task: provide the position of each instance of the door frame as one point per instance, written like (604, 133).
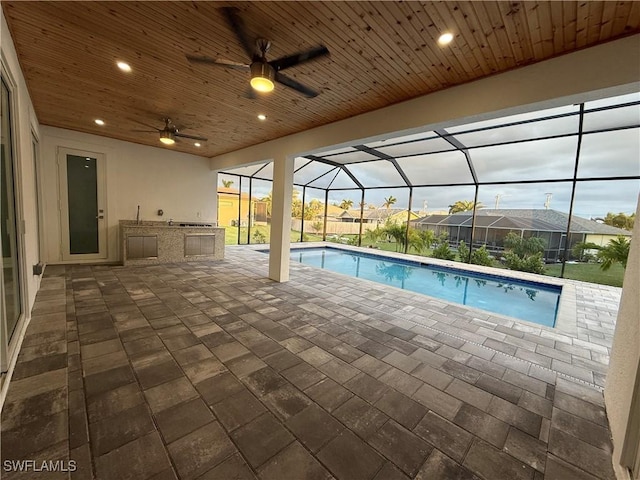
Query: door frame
(37, 175)
(63, 205)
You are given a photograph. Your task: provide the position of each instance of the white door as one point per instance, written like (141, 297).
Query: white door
(82, 204)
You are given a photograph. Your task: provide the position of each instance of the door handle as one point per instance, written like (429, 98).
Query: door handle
(100, 217)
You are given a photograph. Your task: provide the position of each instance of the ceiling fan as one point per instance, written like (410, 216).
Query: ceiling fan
(170, 132)
(263, 72)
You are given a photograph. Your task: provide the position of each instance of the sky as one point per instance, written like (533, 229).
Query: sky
(612, 154)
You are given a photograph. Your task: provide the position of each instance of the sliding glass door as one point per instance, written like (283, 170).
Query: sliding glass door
(10, 281)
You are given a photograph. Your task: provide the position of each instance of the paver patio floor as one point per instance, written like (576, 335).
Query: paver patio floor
(210, 370)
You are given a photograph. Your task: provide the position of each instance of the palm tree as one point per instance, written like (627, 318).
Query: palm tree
(389, 201)
(398, 233)
(375, 235)
(617, 250)
(227, 183)
(346, 204)
(464, 206)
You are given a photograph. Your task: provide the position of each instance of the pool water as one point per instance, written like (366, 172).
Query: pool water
(533, 302)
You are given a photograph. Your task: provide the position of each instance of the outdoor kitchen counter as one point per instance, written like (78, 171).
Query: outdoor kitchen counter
(149, 243)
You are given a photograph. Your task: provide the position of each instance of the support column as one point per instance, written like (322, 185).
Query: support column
(279, 250)
(622, 392)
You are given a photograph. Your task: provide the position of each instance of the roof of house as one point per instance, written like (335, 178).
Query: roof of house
(234, 192)
(334, 210)
(374, 214)
(524, 219)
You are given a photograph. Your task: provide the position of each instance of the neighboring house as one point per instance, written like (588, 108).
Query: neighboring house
(333, 211)
(492, 226)
(233, 208)
(379, 216)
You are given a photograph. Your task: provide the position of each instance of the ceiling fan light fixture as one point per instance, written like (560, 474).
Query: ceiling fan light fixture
(167, 138)
(262, 75)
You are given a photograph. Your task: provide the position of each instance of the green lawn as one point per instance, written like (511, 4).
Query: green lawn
(589, 272)
(263, 235)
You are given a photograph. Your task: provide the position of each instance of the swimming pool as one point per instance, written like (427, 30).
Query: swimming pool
(534, 302)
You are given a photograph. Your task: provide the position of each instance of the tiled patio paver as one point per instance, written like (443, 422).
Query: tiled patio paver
(210, 370)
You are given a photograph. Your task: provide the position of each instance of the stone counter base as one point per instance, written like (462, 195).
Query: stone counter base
(155, 244)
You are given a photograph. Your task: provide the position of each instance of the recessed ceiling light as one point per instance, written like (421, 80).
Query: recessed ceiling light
(124, 66)
(197, 144)
(99, 122)
(262, 116)
(445, 38)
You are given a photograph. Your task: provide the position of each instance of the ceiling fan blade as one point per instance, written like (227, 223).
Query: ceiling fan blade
(219, 62)
(201, 59)
(300, 57)
(250, 93)
(294, 84)
(192, 137)
(236, 24)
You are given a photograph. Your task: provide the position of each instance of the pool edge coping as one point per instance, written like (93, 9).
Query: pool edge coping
(566, 321)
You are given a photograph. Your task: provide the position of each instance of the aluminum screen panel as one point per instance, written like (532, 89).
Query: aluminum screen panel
(437, 169)
(380, 173)
(610, 154)
(536, 160)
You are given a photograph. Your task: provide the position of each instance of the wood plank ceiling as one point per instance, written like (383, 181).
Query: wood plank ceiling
(381, 53)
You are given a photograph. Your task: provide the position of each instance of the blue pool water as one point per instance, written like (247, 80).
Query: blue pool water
(534, 302)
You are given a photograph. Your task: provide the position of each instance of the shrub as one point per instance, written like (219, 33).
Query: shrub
(480, 256)
(427, 237)
(463, 251)
(531, 263)
(524, 254)
(442, 249)
(259, 237)
(523, 246)
(444, 252)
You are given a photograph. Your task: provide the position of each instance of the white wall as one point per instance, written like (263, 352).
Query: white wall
(182, 185)
(625, 353)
